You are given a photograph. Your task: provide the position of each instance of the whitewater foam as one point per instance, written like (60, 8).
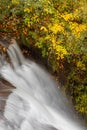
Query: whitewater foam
(36, 103)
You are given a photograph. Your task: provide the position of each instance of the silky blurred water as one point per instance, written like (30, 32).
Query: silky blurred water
(36, 102)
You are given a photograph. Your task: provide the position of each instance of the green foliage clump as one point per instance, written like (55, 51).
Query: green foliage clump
(59, 29)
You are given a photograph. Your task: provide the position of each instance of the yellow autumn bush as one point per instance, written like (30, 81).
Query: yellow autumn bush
(77, 29)
(15, 1)
(55, 28)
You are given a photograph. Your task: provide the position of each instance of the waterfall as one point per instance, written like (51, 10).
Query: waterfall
(36, 101)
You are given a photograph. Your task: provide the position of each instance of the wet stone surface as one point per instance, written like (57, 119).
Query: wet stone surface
(5, 90)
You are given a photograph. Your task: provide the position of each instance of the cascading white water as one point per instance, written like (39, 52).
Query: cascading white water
(36, 103)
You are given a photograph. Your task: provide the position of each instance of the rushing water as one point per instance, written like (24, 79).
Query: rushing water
(36, 102)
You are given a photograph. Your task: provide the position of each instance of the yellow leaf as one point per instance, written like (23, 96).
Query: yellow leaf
(44, 28)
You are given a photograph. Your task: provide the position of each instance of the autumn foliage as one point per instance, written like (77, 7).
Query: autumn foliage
(59, 29)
